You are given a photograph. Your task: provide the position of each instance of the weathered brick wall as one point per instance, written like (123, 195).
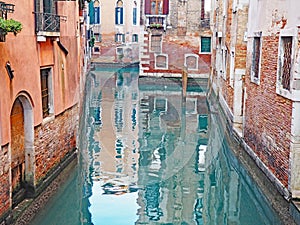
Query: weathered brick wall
(54, 140)
(267, 126)
(4, 181)
(234, 38)
(181, 37)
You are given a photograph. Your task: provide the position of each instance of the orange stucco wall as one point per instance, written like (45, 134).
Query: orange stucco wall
(26, 56)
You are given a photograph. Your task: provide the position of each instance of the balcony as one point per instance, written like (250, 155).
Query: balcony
(47, 24)
(156, 21)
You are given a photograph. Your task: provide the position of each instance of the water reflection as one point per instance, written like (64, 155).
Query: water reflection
(151, 157)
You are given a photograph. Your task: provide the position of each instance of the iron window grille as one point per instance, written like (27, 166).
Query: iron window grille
(47, 22)
(285, 62)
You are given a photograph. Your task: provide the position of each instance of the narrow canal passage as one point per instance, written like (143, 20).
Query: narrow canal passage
(147, 157)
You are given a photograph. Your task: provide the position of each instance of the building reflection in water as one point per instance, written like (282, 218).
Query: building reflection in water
(111, 161)
(168, 156)
(148, 157)
(172, 141)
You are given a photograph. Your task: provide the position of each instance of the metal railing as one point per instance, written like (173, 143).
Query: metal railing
(156, 21)
(47, 22)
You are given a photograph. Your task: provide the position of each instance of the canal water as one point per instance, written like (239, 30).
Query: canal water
(150, 156)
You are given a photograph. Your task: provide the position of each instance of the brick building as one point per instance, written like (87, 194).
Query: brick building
(39, 96)
(176, 35)
(255, 74)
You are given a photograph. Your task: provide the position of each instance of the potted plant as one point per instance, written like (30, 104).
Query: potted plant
(10, 25)
(156, 25)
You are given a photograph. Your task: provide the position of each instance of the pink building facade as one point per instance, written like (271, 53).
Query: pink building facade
(40, 72)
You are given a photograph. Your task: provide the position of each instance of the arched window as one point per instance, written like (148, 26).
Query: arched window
(119, 13)
(134, 14)
(97, 12)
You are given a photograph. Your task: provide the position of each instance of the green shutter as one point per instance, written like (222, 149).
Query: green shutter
(205, 44)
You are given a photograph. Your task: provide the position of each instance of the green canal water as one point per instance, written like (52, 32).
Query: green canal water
(149, 156)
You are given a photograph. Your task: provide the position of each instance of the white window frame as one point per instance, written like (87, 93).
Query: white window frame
(290, 94)
(150, 44)
(194, 102)
(50, 94)
(136, 15)
(94, 50)
(201, 45)
(167, 61)
(224, 61)
(232, 67)
(191, 55)
(254, 79)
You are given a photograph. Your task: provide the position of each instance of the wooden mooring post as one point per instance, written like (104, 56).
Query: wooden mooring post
(183, 102)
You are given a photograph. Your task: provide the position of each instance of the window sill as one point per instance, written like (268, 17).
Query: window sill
(293, 95)
(205, 53)
(48, 119)
(255, 80)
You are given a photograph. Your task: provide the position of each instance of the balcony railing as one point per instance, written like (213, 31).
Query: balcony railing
(47, 22)
(156, 21)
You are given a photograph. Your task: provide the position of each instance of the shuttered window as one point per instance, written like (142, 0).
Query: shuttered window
(45, 91)
(205, 44)
(92, 12)
(156, 7)
(120, 37)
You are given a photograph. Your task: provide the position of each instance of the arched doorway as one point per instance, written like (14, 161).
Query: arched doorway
(22, 150)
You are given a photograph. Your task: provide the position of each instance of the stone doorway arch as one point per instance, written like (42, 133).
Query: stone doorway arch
(22, 149)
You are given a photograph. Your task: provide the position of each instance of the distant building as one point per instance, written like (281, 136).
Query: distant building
(114, 28)
(176, 35)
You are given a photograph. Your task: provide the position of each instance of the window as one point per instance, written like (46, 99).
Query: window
(191, 106)
(98, 37)
(134, 14)
(119, 13)
(232, 65)
(46, 92)
(224, 62)
(191, 61)
(161, 61)
(120, 37)
(255, 67)
(156, 41)
(205, 45)
(202, 123)
(92, 12)
(285, 61)
(135, 38)
(97, 15)
(160, 104)
(156, 7)
(96, 50)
